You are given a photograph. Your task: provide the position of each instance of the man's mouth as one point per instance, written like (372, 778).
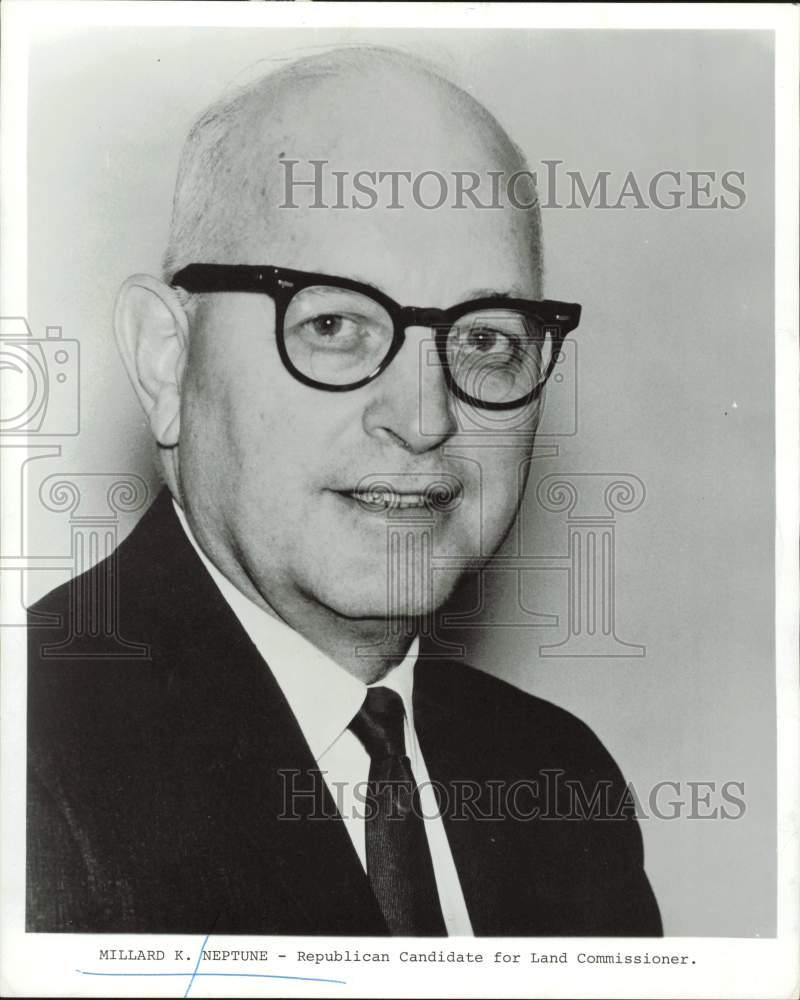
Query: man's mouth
(387, 499)
(441, 496)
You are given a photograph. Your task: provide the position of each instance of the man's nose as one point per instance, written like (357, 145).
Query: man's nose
(411, 404)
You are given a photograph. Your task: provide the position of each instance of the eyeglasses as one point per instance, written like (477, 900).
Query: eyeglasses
(337, 334)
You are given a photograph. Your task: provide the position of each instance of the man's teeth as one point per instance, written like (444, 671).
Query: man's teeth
(410, 500)
(385, 499)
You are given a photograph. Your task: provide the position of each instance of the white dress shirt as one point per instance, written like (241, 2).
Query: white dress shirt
(324, 698)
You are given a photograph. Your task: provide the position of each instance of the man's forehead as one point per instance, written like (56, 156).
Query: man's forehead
(431, 257)
(360, 196)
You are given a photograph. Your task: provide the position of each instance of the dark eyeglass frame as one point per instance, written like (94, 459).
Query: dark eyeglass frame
(282, 284)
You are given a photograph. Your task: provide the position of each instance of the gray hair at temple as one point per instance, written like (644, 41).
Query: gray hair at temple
(221, 185)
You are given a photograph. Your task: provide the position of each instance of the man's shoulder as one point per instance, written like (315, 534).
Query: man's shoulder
(501, 716)
(474, 691)
(134, 563)
(150, 598)
(111, 638)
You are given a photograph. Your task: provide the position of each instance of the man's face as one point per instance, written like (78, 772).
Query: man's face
(267, 464)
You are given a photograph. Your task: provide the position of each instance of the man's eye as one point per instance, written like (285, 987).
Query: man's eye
(329, 324)
(482, 339)
(488, 340)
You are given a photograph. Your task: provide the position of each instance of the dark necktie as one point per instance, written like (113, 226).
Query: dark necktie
(399, 862)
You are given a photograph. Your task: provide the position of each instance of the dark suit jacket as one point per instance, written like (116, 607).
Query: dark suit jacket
(155, 786)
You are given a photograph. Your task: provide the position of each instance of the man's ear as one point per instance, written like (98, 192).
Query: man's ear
(152, 334)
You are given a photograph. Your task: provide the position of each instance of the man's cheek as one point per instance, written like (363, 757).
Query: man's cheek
(498, 505)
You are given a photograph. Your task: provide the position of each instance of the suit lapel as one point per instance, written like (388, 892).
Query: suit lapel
(285, 813)
(457, 764)
(248, 758)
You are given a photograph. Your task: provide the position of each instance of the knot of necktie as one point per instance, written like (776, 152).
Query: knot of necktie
(379, 724)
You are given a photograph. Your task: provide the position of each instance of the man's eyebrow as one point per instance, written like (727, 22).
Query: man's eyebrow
(492, 293)
(473, 293)
(515, 292)
(352, 276)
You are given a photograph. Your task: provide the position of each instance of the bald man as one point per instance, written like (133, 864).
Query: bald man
(321, 383)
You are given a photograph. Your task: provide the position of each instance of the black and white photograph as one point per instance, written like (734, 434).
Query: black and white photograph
(399, 553)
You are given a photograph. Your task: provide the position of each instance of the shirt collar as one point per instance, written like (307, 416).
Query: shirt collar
(323, 696)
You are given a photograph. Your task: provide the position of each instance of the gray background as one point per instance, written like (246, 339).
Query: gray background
(678, 327)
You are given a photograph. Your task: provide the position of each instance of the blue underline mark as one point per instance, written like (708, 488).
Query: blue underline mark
(234, 975)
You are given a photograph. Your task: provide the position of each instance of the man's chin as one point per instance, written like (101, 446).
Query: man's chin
(405, 599)
(360, 607)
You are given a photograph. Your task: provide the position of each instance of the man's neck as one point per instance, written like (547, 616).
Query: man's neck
(367, 648)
